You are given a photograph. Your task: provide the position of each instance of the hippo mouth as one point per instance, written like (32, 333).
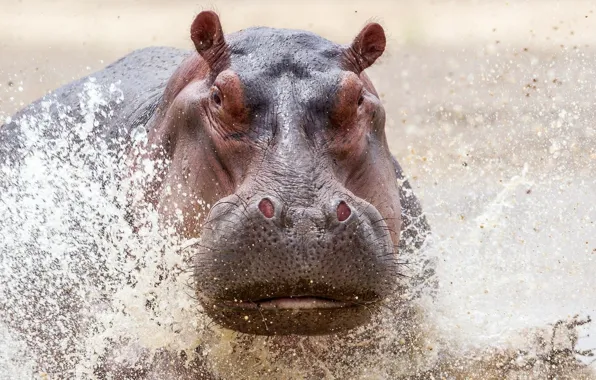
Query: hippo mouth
(290, 303)
(289, 315)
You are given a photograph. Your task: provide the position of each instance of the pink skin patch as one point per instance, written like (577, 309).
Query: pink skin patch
(289, 303)
(266, 207)
(343, 211)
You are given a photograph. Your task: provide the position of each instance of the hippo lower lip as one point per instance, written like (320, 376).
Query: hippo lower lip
(290, 303)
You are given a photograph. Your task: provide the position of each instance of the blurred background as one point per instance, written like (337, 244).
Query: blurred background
(44, 44)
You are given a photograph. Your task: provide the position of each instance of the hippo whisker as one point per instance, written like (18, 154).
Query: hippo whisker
(388, 229)
(384, 220)
(401, 275)
(221, 203)
(223, 218)
(196, 244)
(261, 314)
(366, 307)
(383, 304)
(280, 196)
(190, 284)
(389, 262)
(244, 203)
(220, 218)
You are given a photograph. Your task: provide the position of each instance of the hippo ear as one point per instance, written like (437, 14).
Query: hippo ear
(368, 45)
(208, 37)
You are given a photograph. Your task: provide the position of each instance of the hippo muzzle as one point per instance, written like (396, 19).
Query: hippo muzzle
(268, 266)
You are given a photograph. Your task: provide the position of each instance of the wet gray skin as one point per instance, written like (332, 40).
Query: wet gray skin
(282, 134)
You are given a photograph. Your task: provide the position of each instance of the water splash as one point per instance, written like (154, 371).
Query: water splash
(504, 162)
(85, 287)
(75, 277)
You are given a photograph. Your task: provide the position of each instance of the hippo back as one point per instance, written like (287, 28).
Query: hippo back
(138, 79)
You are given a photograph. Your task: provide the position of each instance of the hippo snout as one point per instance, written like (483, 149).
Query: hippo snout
(270, 267)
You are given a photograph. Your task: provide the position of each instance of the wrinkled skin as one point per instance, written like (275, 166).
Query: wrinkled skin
(278, 161)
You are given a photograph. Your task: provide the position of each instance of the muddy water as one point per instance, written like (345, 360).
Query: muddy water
(501, 142)
(495, 128)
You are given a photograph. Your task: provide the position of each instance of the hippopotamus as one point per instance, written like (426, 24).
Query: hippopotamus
(282, 133)
(272, 151)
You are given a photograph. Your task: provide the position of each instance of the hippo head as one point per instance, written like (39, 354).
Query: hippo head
(276, 158)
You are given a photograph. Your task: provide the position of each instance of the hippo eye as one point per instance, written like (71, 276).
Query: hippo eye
(215, 96)
(360, 99)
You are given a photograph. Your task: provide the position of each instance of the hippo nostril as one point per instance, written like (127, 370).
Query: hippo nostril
(343, 211)
(266, 207)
